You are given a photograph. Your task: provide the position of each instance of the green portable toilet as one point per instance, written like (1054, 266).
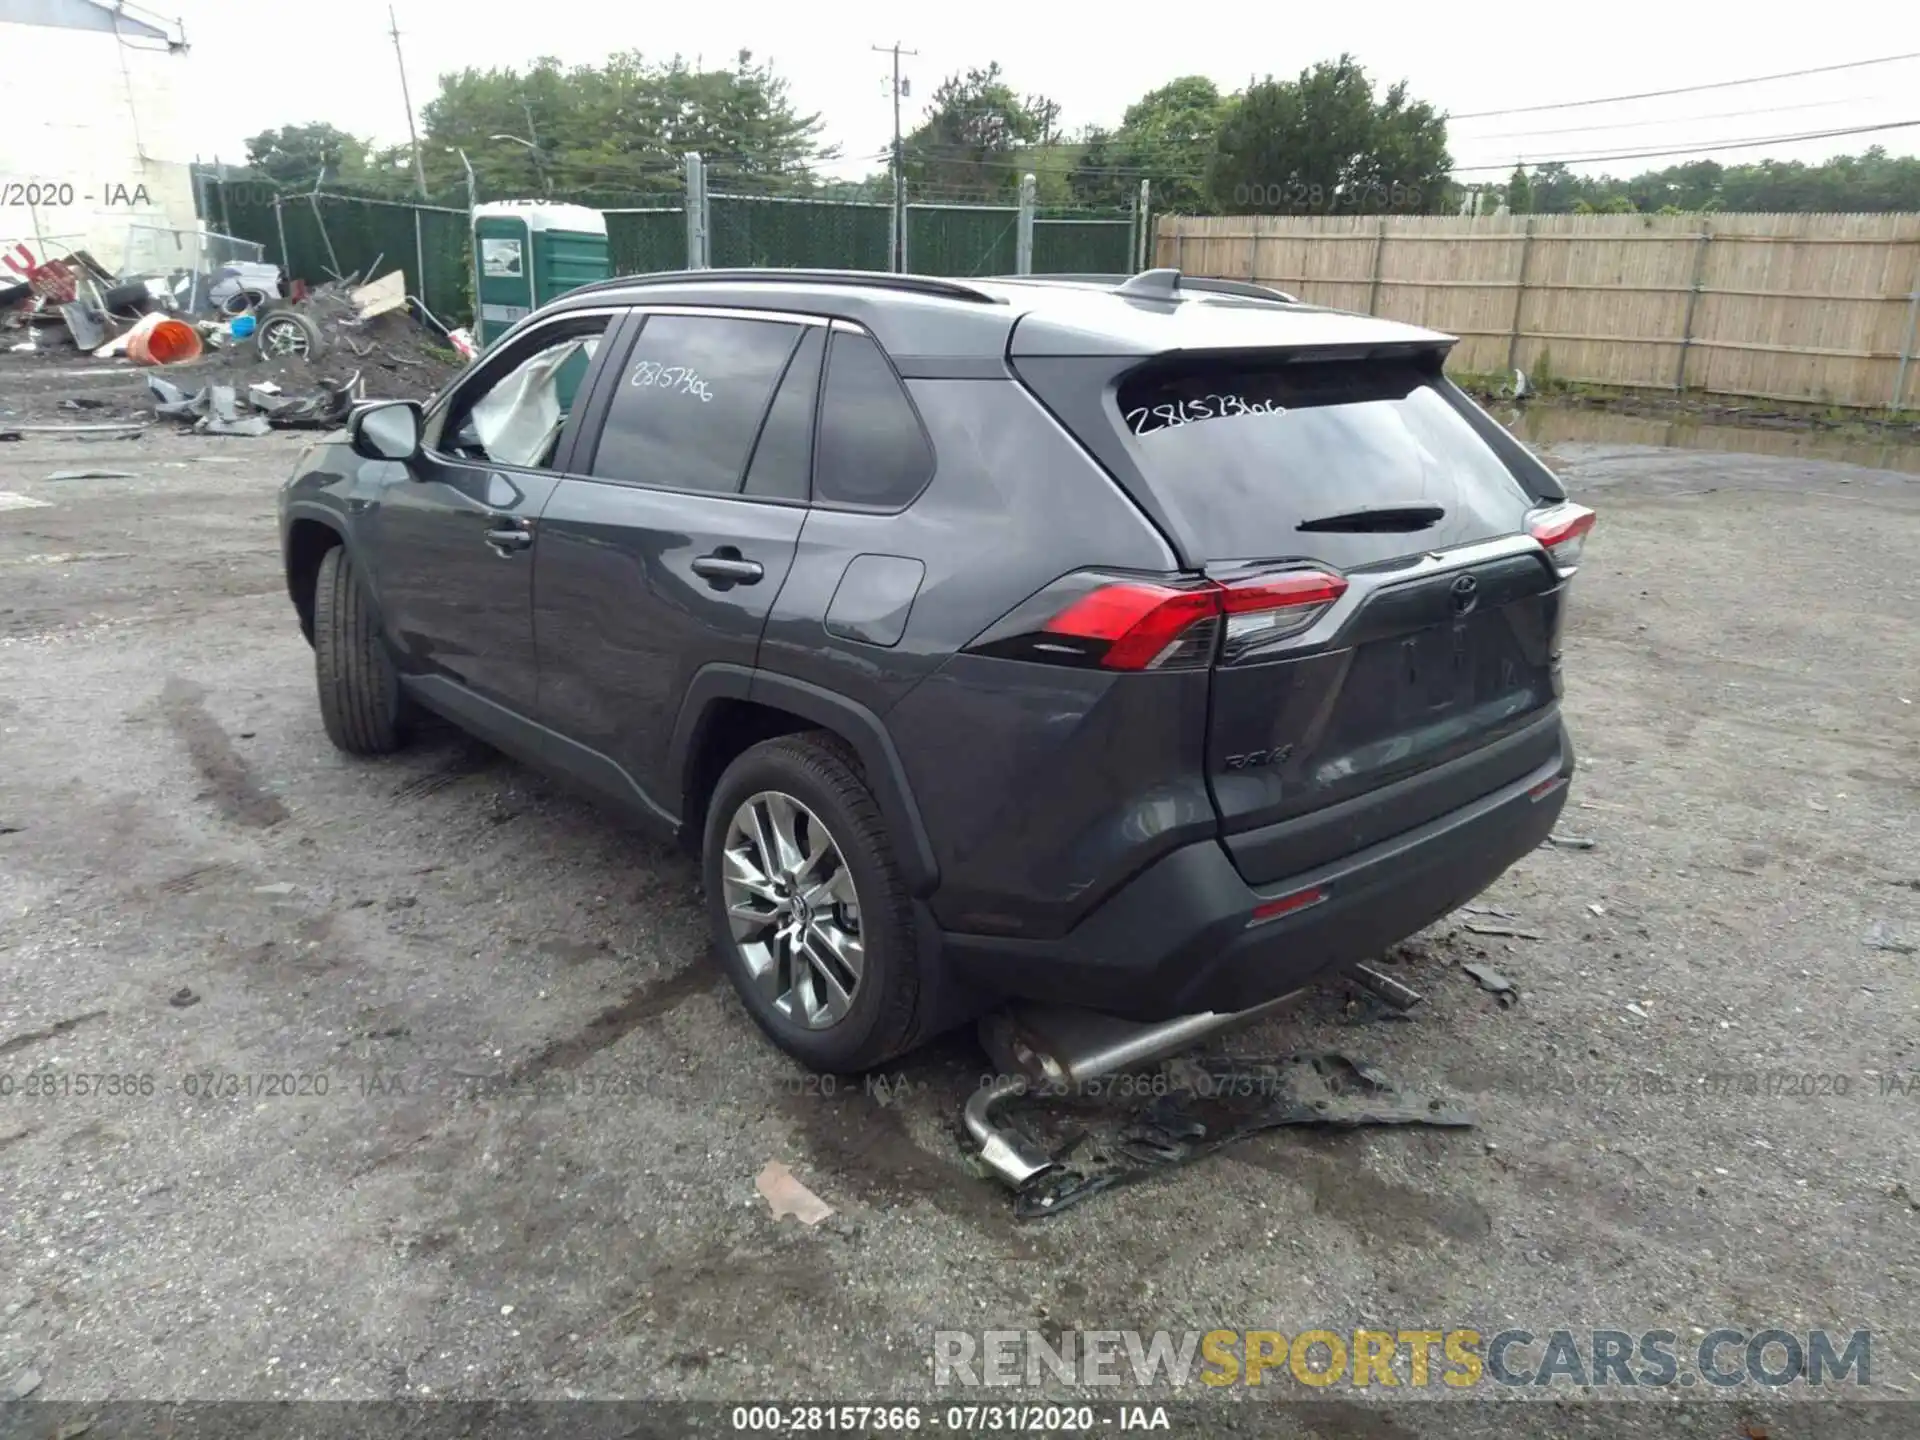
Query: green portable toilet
(530, 251)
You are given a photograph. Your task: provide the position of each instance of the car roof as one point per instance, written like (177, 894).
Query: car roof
(925, 320)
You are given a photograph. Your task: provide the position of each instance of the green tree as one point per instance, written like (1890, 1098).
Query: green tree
(1097, 177)
(620, 128)
(1324, 143)
(1168, 135)
(297, 155)
(1519, 192)
(968, 146)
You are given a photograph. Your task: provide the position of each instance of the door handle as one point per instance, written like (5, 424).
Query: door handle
(509, 538)
(725, 567)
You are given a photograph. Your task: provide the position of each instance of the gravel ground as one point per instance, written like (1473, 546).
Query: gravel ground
(531, 1173)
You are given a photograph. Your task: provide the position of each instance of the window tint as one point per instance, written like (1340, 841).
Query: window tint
(517, 418)
(783, 459)
(1243, 452)
(690, 401)
(872, 450)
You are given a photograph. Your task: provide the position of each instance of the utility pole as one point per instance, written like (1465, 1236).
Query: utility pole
(898, 258)
(419, 166)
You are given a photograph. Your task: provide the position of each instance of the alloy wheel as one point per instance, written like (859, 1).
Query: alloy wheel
(793, 909)
(284, 338)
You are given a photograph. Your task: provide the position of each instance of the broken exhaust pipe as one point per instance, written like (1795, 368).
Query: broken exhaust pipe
(1058, 1046)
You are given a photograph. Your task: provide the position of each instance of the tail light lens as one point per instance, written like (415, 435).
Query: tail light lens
(1114, 623)
(1563, 531)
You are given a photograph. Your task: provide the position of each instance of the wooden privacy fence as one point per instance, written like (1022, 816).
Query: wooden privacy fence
(1816, 308)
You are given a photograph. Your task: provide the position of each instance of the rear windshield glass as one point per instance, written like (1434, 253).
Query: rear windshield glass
(1244, 452)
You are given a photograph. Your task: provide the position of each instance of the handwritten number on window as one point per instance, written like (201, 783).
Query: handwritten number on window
(675, 379)
(1145, 419)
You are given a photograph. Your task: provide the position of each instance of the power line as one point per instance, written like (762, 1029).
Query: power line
(1689, 149)
(1671, 120)
(1688, 89)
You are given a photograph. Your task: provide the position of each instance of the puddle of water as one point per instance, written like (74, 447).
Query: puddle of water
(1543, 426)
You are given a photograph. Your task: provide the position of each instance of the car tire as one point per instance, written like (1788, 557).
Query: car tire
(286, 334)
(361, 703)
(821, 780)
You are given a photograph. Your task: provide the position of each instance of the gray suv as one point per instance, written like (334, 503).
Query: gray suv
(1149, 644)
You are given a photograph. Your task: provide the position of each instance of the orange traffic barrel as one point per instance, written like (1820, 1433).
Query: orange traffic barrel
(167, 343)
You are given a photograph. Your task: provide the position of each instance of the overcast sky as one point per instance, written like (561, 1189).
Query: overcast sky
(339, 65)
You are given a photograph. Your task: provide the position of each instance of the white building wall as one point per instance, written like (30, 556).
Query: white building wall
(90, 130)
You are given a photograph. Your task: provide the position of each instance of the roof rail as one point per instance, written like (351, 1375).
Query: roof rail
(1165, 284)
(866, 279)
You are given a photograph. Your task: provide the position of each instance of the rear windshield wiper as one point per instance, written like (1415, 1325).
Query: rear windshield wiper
(1379, 519)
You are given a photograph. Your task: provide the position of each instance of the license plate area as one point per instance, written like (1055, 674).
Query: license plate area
(1435, 671)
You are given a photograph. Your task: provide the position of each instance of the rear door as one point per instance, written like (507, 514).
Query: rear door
(666, 553)
(1430, 679)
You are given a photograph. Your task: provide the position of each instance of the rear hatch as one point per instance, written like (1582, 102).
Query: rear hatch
(1422, 674)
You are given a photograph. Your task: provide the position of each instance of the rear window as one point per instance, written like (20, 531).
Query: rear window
(1242, 453)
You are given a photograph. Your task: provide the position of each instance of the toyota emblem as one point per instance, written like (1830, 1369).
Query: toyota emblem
(1466, 594)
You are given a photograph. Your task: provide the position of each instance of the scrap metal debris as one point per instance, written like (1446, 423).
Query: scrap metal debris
(1493, 982)
(1397, 996)
(787, 1196)
(216, 410)
(1516, 932)
(1123, 1129)
(1880, 937)
(217, 327)
(1570, 842)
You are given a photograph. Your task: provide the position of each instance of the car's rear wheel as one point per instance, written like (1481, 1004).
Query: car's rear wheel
(360, 700)
(810, 917)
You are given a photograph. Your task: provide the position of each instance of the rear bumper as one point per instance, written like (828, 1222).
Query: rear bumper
(1179, 938)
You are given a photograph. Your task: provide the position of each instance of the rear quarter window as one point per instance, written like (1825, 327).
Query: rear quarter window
(1243, 450)
(872, 453)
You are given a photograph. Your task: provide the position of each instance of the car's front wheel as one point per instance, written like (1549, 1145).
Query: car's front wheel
(360, 700)
(810, 917)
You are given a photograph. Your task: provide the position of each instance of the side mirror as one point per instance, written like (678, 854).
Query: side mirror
(387, 431)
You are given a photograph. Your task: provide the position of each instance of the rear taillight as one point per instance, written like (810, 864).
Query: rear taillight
(1563, 531)
(1124, 624)
(1133, 626)
(1274, 607)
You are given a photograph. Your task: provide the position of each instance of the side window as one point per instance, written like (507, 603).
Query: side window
(872, 451)
(691, 400)
(518, 415)
(782, 461)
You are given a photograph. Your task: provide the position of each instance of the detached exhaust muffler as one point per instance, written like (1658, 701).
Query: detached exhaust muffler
(1057, 1047)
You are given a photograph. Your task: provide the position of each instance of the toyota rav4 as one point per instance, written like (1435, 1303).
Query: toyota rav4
(1153, 645)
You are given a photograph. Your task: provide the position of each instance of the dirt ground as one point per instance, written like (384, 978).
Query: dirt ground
(394, 355)
(531, 1174)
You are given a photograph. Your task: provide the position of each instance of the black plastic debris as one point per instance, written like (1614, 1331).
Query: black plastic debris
(1493, 982)
(1123, 1129)
(221, 409)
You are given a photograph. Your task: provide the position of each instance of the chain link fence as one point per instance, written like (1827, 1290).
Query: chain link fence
(320, 236)
(748, 230)
(642, 241)
(1084, 246)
